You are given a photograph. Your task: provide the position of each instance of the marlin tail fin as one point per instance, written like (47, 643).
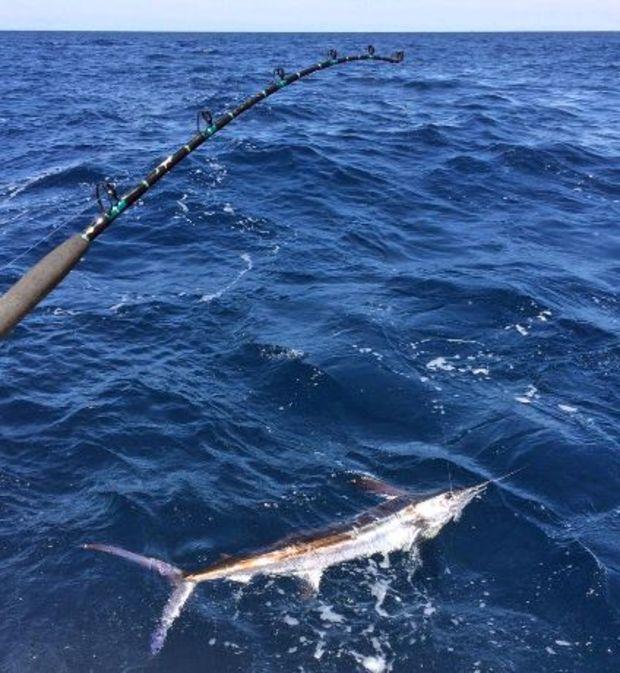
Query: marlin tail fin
(182, 588)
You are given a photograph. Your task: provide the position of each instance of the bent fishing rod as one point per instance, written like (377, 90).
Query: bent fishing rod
(42, 278)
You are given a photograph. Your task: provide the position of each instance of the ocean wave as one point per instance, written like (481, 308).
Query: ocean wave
(404, 270)
(433, 84)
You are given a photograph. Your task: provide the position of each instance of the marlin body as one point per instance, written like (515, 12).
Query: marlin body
(396, 524)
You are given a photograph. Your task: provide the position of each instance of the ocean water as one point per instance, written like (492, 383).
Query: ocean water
(407, 270)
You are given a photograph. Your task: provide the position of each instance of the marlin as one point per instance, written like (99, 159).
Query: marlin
(398, 523)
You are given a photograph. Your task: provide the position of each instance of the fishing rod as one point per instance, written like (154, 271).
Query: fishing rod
(44, 276)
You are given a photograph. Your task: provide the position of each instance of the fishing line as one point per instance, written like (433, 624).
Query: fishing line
(24, 295)
(34, 245)
(25, 213)
(44, 238)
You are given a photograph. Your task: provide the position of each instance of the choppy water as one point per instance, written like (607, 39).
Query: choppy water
(407, 270)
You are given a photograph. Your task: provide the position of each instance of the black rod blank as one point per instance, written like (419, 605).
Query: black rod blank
(42, 278)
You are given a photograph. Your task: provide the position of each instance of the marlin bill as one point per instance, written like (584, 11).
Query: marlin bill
(398, 523)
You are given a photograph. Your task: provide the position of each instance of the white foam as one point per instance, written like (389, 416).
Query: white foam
(121, 303)
(439, 363)
(320, 648)
(364, 350)
(544, 315)
(277, 353)
(530, 395)
(208, 298)
(429, 609)
(219, 171)
(567, 408)
(328, 614)
(522, 331)
(379, 590)
(373, 663)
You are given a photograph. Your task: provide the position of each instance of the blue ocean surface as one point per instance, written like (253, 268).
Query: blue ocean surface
(408, 270)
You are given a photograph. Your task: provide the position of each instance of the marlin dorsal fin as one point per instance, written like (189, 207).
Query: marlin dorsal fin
(373, 485)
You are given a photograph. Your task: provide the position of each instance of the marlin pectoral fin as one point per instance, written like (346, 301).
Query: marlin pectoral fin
(311, 581)
(373, 485)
